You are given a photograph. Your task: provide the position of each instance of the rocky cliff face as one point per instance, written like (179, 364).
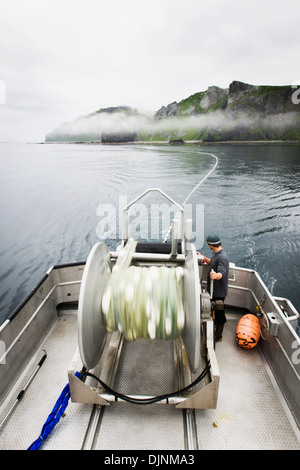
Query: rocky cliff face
(241, 112)
(196, 104)
(258, 113)
(264, 100)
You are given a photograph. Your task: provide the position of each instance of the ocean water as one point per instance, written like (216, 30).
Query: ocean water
(58, 200)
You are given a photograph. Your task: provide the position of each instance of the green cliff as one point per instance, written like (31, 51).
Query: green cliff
(241, 112)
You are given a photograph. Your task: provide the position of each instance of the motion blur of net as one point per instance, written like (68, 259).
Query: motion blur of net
(143, 302)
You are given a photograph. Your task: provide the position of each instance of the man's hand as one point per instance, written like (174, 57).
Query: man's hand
(204, 259)
(214, 275)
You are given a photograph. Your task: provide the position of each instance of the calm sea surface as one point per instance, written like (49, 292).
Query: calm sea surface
(57, 201)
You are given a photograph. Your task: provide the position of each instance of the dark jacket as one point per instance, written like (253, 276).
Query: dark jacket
(220, 264)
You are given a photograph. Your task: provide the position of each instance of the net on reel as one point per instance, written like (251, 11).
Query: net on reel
(144, 302)
(151, 302)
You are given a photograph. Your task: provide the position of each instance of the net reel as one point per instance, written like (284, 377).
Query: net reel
(108, 280)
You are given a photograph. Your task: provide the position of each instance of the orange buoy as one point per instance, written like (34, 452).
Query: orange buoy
(247, 331)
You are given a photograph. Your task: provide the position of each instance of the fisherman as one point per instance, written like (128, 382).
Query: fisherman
(218, 272)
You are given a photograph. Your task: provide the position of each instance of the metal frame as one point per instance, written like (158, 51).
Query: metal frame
(191, 341)
(95, 277)
(177, 224)
(206, 398)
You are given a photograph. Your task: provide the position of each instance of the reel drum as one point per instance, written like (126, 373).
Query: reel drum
(91, 325)
(191, 333)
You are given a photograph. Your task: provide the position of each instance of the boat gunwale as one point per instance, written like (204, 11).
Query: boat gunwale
(19, 307)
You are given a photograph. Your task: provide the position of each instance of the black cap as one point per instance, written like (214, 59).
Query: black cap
(213, 239)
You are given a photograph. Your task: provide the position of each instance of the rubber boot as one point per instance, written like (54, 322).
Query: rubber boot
(219, 331)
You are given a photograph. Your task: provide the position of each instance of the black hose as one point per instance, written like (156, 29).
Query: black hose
(147, 401)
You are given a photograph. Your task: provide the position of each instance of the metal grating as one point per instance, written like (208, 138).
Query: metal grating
(146, 368)
(150, 427)
(250, 414)
(25, 423)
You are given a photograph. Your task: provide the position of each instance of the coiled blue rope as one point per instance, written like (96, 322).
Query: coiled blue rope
(54, 417)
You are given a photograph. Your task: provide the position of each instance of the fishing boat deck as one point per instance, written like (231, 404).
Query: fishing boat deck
(251, 412)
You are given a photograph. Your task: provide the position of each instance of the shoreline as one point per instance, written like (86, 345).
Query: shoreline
(194, 142)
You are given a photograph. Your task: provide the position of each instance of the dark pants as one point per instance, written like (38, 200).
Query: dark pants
(220, 317)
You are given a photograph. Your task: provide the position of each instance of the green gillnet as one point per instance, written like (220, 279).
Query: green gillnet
(143, 302)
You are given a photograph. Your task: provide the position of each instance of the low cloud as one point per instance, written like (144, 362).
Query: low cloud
(96, 124)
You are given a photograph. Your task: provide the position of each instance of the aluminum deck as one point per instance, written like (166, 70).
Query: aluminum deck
(251, 413)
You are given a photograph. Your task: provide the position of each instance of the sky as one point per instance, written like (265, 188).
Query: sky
(61, 59)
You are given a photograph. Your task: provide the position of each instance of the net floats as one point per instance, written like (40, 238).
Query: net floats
(247, 331)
